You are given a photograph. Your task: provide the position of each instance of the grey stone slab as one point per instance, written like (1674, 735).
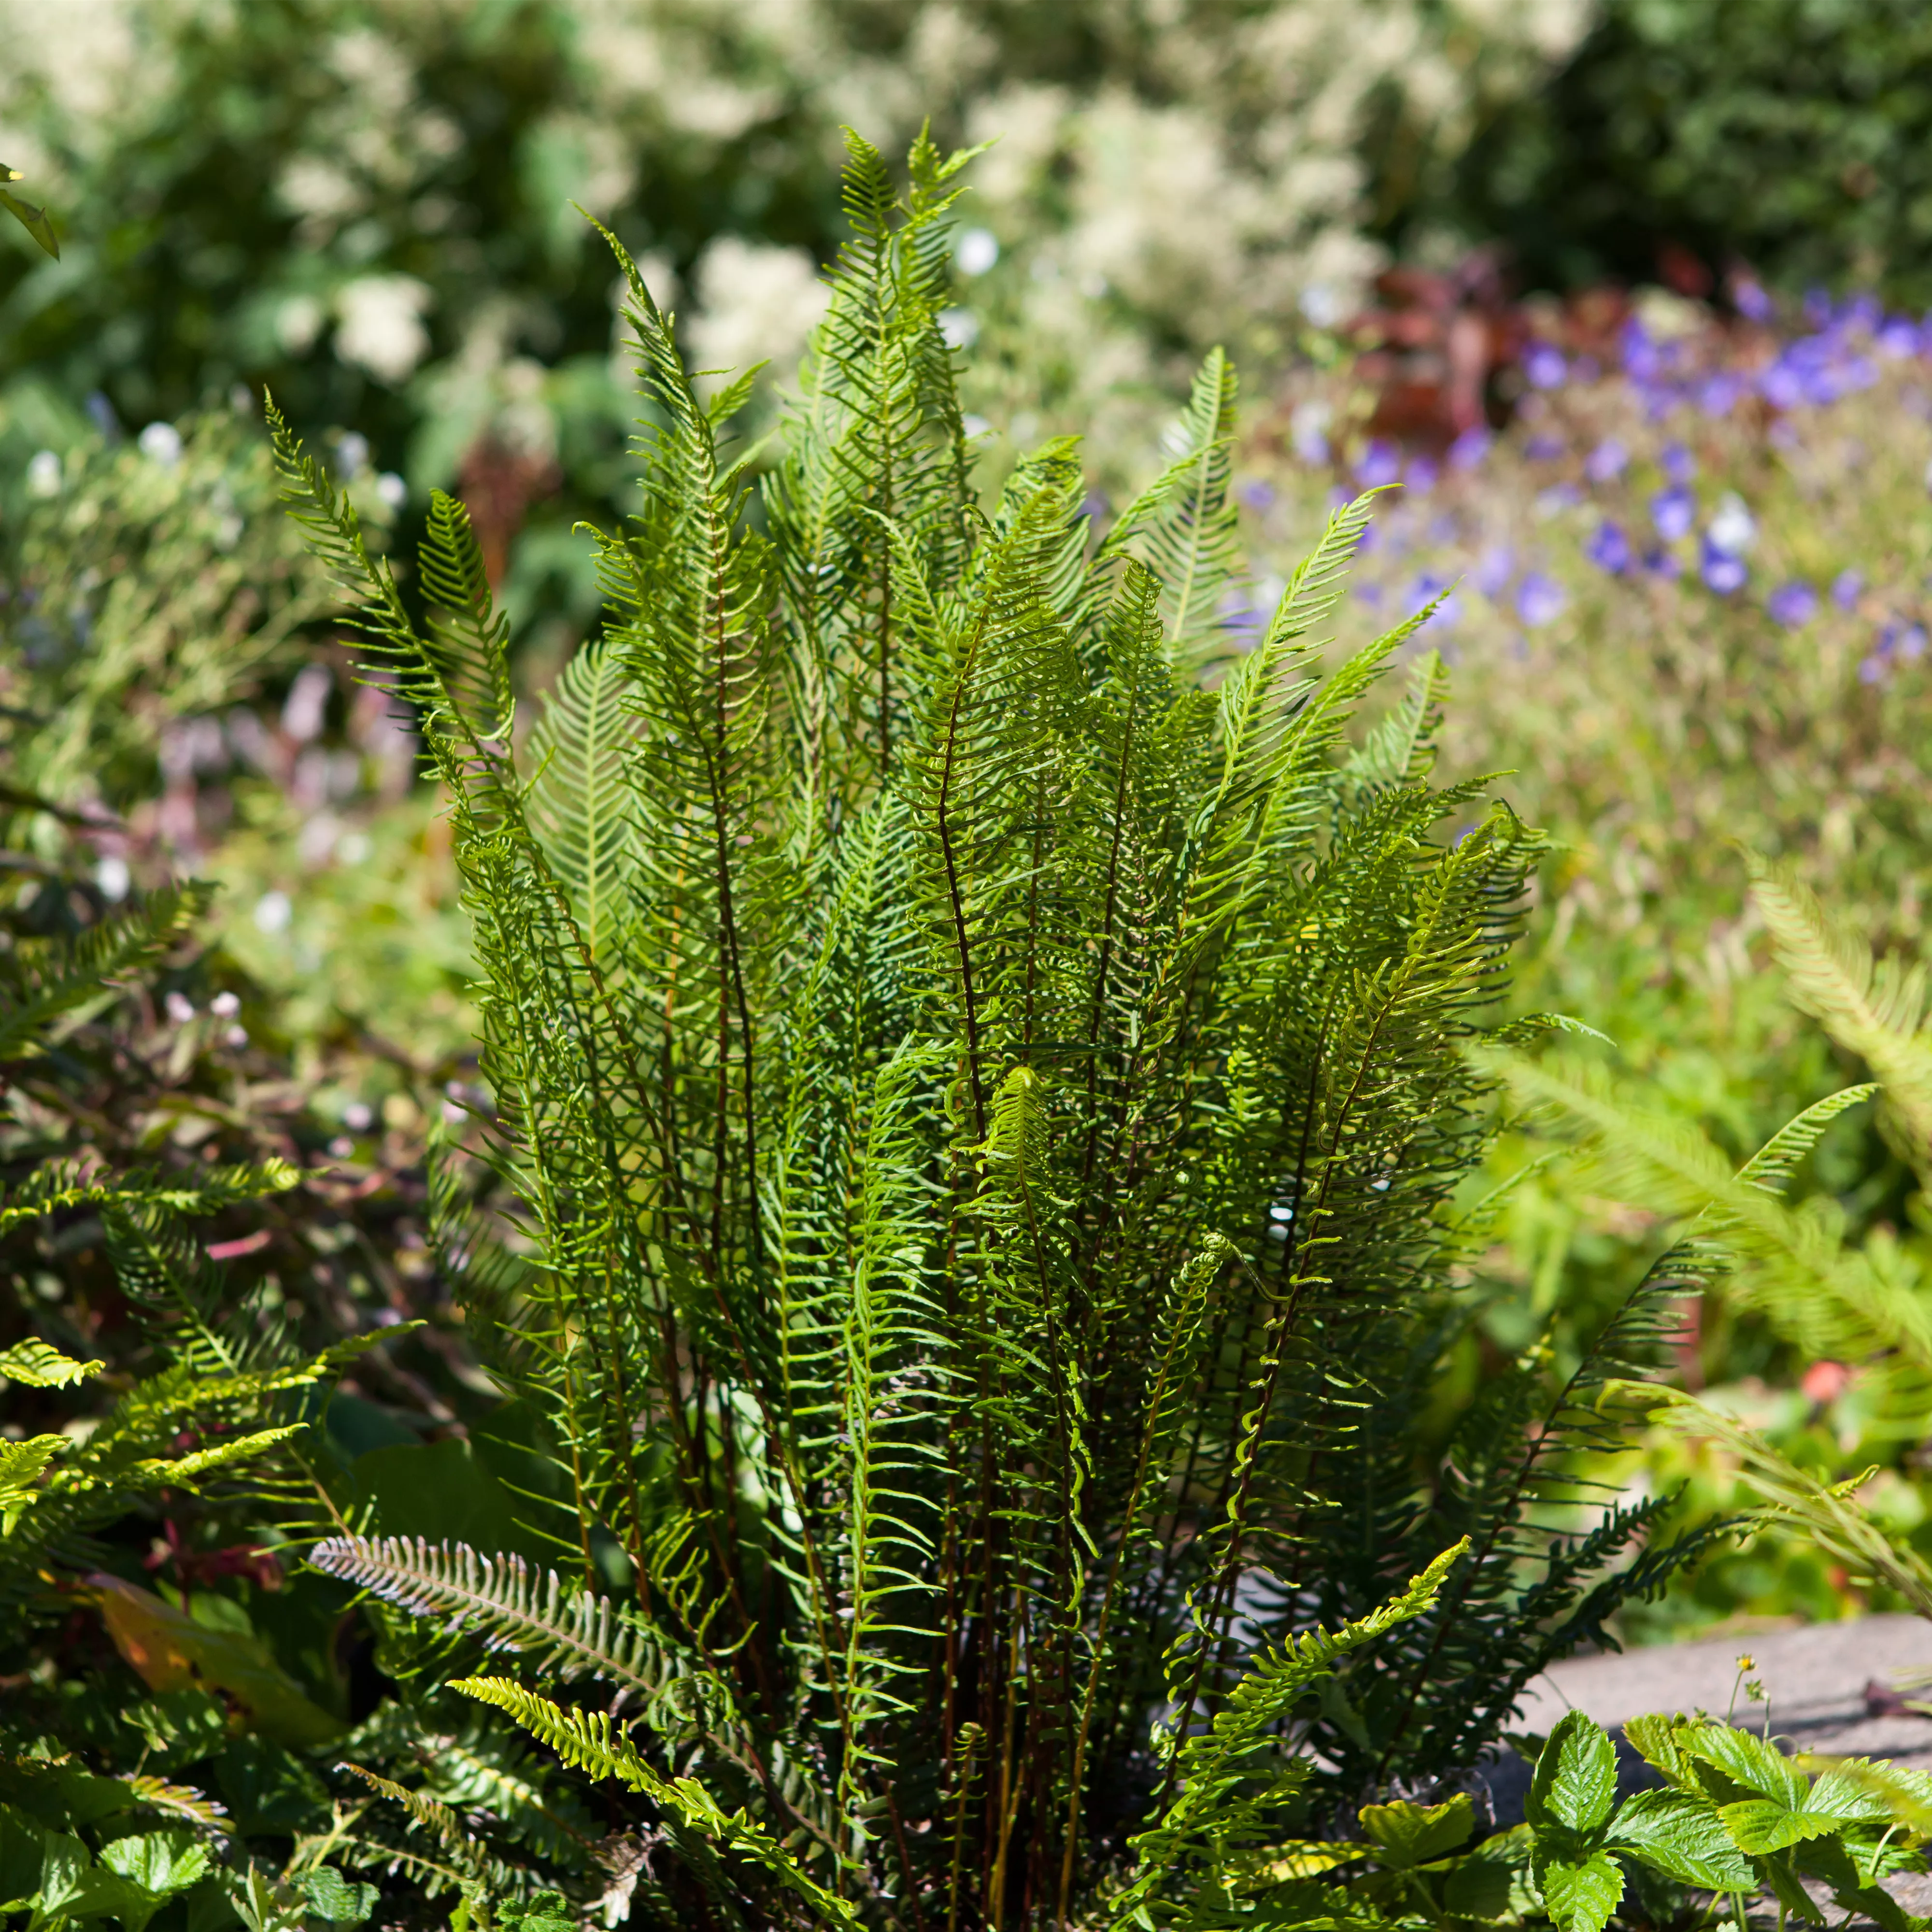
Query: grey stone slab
(1817, 1675)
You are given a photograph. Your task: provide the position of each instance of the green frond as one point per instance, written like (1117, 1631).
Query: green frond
(61, 976)
(1875, 1011)
(1833, 1302)
(1827, 1514)
(588, 1740)
(35, 1365)
(1232, 1780)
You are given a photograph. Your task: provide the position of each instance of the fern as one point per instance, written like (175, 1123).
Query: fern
(979, 1087)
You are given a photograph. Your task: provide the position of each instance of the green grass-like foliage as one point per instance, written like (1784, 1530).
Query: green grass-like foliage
(982, 1074)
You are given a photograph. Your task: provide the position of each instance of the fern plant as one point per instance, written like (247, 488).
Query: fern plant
(979, 1072)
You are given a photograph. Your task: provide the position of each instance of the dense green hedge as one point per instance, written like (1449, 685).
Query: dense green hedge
(1793, 135)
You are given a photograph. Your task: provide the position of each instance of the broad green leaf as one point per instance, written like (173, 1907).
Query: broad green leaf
(1406, 1835)
(1683, 1837)
(1575, 1780)
(1660, 1741)
(1581, 1896)
(174, 1652)
(1761, 1824)
(161, 1862)
(1751, 1762)
(1479, 1888)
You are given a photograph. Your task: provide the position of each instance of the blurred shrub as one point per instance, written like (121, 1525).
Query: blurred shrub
(144, 589)
(1686, 604)
(367, 203)
(1794, 134)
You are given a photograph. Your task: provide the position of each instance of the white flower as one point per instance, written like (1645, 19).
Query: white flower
(976, 250)
(273, 912)
(112, 876)
(181, 1009)
(393, 491)
(44, 474)
(224, 1006)
(755, 302)
(1732, 529)
(959, 326)
(351, 454)
(298, 322)
(160, 443)
(381, 328)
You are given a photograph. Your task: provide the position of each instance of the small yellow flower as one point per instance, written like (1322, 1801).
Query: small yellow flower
(1746, 1663)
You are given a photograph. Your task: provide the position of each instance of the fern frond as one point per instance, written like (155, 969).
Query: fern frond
(588, 1740)
(1875, 1011)
(1228, 1796)
(1827, 1513)
(34, 1364)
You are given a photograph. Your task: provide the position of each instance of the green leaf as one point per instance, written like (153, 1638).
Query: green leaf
(1406, 1835)
(35, 220)
(1575, 1784)
(342, 1902)
(1761, 1824)
(1683, 1837)
(174, 1652)
(1581, 1895)
(1751, 1762)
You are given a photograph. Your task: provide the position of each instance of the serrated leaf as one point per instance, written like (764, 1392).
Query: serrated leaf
(1751, 1762)
(1575, 1784)
(1659, 1740)
(1759, 1825)
(1406, 1835)
(1581, 1896)
(1683, 1837)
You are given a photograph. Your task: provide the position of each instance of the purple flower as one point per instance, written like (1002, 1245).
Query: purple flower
(1793, 603)
(1863, 312)
(1543, 447)
(1609, 549)
(1913, 644)
(1873, 670)
(1469, 448)
(1606, 462)
(1371, 535)
(1845, 588)
(1544, 366)
(1898, 340)
(1641, 359)
(1422, 474)
(1255, 493)
(1679, 465)
(1429, 586)
(1340, 499)
(1779, 386)
(1370, 594)
(1719, 395)
(1752, 303)
(1723, 572)
(1377, 465)
(1539, 600)
(1673, 511)
(1663, 563)
(1494, 569)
